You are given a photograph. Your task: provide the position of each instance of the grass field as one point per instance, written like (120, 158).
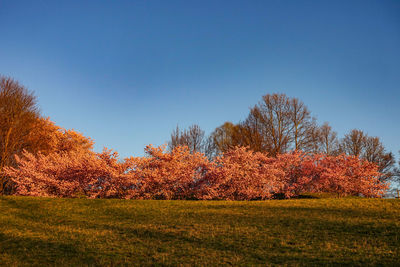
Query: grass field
(76, 232)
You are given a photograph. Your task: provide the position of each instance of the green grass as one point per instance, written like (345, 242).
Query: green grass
(76, 232)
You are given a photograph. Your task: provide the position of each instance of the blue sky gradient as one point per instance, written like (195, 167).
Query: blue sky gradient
(127, 72)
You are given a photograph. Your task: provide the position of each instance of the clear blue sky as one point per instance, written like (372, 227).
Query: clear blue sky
(127, 72)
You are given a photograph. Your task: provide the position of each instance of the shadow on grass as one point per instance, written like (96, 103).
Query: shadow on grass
(296, 224)
(31, 251)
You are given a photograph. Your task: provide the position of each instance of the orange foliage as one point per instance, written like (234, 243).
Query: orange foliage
(173, 175)
(239, 174)
(48, 137)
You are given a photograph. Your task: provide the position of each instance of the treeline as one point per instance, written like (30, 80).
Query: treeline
(279, 124)
(278, 151)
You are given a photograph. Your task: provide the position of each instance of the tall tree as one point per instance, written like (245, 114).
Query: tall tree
(374, 151)
(22, 128)
(224, 137)
(303, 125)
(18, 115)
(329, 143)
(193, 137)
(271, 118)
(279, 123)
(353, 143)
(253, 132)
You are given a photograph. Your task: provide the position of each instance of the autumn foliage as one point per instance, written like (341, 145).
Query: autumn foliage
(241, 174)
(168, 175)
(237, 162)
(238, 174)
(66, 174)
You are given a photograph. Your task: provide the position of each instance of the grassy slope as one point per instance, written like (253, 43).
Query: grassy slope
(77, 232)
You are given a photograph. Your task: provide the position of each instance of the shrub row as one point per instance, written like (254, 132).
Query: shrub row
(239, 174)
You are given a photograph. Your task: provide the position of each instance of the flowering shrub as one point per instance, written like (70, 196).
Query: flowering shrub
(173, 175)
(69, 174)
(299, 173)
(239, 174)
(344, 175)
(348, 175)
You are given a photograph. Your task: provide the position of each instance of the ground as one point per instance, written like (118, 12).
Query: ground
(76, 232)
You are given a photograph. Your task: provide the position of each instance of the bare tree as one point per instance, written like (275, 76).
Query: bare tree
(374, 151)
(210, 148)
(176, 139)
(273, 118)
(193, 137)
(279, 123)
(328, 140)
(275, 125)
(253, 132)
(223, 137)
(304, 126)
(314, 139)
(353, 143)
